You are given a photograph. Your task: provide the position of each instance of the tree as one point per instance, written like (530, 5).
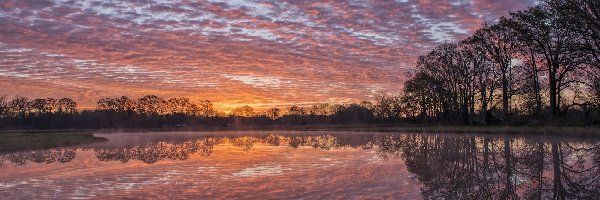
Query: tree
(181, 106)
(296, 110)
(387, 108)
(244, 111)
(123, 104)
(321, 109)
(151, 105)
(205, 109)
(484, 74)
(19, 106)
(547, 33)
(423, 95)
(582, 17)
(4, 109)
(444, 81)
(39, 106)
(273, 113)
(499, 45)
(67, 106)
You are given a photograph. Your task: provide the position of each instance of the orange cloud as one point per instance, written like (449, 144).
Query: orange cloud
(230, 52)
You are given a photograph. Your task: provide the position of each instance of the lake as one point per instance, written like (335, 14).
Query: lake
(306, 165)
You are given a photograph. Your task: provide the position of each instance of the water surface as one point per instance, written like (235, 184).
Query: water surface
(307, 165)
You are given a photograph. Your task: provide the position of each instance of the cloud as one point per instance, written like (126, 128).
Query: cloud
(239, 52)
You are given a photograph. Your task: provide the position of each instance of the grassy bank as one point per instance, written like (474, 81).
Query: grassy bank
(15, 141)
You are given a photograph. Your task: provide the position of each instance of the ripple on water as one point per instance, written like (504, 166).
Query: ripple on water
(264, 170)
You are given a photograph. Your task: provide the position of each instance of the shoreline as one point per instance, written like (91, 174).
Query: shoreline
(11, 142)
(525, 130)
(20, 140)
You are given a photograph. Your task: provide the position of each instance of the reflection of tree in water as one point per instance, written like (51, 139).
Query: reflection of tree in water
(316, 141)
(575, 174)
(246, 142)
(164, 150)
(39, 156)
(386, 146)
(496, 168)
(158, 151)
(274, 140)
(154, 152)
(457, 167)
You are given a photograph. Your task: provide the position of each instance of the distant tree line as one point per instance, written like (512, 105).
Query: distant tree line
(151, 111)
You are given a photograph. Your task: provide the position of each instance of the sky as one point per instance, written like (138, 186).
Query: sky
(262, 53)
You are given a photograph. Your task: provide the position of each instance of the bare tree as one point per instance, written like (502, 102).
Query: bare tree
(499, 45)
(548, 35)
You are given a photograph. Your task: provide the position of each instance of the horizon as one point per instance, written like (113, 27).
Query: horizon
(233, 53)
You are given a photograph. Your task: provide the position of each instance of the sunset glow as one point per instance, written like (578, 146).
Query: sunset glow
(300, 99)
(260, 53)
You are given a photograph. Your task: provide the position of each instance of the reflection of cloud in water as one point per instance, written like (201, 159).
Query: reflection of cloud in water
(10, 185)
(310, 166)
(265, 170)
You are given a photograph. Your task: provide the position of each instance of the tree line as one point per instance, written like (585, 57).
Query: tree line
(540, 65)
(151, 111)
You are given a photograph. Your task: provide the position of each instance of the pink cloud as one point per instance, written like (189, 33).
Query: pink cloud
(318, 50)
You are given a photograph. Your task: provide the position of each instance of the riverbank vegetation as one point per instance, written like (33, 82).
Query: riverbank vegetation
(32, 141)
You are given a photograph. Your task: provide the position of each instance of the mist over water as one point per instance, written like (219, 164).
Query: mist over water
(310, 165)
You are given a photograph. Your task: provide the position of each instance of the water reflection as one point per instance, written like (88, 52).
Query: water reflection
(42, 156)
(500, 168)
(152, 153)
(443, 166)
